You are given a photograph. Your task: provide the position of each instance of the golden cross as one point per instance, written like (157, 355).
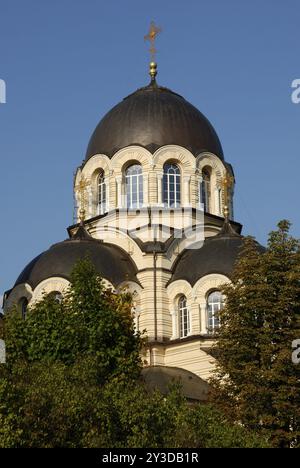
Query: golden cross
(151, 37)
(227, 183)
(81, 188)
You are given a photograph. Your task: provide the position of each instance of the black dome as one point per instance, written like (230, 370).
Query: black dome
(162, 377)
(110, 261)
(217, 255)
(153, 117)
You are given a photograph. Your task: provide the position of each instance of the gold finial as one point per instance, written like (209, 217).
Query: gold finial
(153, 70)
(227, 183)
(81, 188)
(151, 37)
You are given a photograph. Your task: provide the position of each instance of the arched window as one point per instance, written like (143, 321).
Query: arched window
(23, 307)
(205, 190)
(101, 193)
(56, 296)
(134, 186)
(215, 303)
(184, 317)
(171, 185)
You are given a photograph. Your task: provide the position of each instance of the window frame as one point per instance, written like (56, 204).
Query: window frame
(205, 190)
(184, 318)
(171, 179)
(102, 194)
(134, 184)
(213, 307)
(57, 296)
(24, 307)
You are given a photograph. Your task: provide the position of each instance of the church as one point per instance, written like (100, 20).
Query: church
(154, 213)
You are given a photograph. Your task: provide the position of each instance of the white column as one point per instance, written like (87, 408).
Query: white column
(90, 203)
(220, 201)
(146, 189)
(190, 312)
(112, 190)
(160, 189)
(119, 202)
(186, 190)
(217, 207)
(199, 182)
(107, 188)
(174, 324)
(203, 318)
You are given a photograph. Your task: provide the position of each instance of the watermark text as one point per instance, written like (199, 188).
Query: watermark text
(296, 93)
(2, 92)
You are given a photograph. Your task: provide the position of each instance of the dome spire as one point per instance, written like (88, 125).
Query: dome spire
(151, 37)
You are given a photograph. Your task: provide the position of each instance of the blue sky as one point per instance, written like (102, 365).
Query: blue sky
(67, 62)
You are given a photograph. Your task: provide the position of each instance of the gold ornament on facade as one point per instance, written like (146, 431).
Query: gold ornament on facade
(81, 188)
(227, 183)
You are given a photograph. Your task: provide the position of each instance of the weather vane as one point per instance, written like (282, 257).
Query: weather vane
(227, 183)
(81, 187)
(151, 37)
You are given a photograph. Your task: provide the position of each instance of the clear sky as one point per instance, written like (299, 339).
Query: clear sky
(67, 62)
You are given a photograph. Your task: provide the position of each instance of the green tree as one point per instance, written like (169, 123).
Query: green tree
(90, 321)
(154, 420)
(256, 381)
(49, 405)
(72, 379)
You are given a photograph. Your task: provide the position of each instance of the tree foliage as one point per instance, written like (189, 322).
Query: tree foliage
(89, 321)
(55, 405)
(256, 381)
(72, 379)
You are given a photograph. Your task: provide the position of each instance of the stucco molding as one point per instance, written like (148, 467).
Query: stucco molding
(95, 164)
(49, 285)
(131, 154)
(177, 289)
(176, 153)
(206, 284)
(211, 160)
(19, 292)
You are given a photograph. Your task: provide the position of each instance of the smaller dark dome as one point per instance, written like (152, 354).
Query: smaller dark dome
(111, 262)
(217, 255)
(161, 377)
